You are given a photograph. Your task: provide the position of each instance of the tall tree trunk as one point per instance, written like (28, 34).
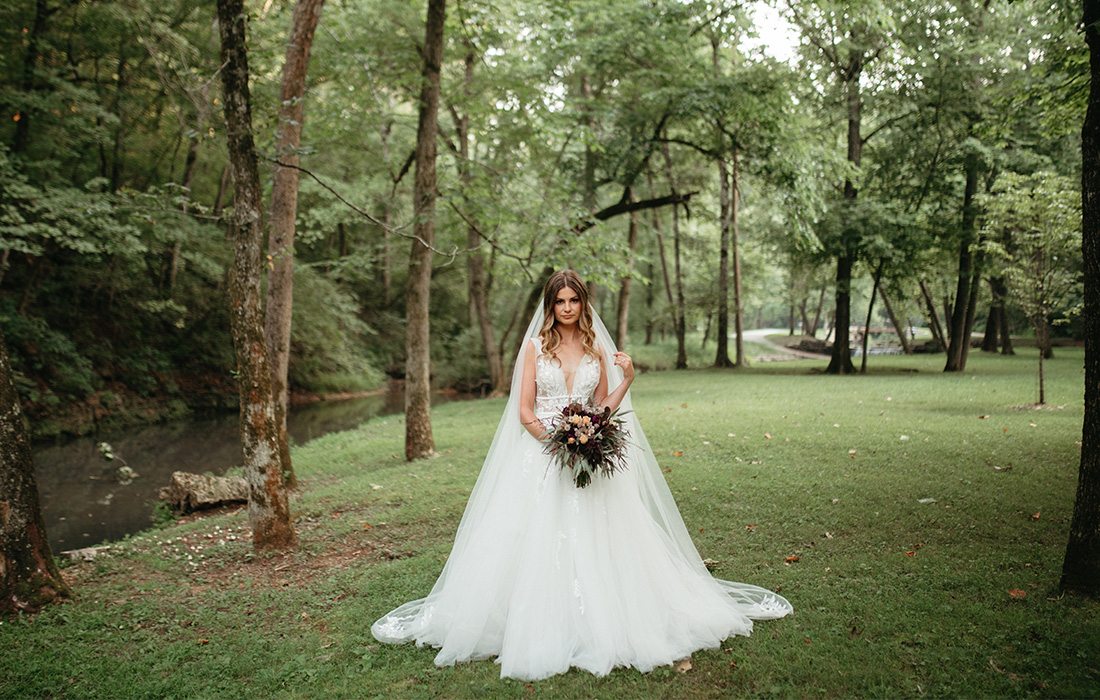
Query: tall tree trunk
(29, 578)
(268, 506)
(722, 357)
(28, 83)
(622, 325)
(477, 288)
(681, 305)
(189, 163)
(735, 250)
(817, 313)
(841, 360)
(903, 337)
(1000, 290)
(867, 324)
(650, 298)
(223, 185)
(933, 317)
(116, 107)
(992, 333)
(385, 271)
(284, 211)
(959, 340)
(418, 419)
(1081, 567)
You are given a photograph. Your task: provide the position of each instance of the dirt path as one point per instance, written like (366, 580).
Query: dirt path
(782, 353)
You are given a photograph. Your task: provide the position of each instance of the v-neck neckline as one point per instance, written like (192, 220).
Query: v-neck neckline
(561, 368)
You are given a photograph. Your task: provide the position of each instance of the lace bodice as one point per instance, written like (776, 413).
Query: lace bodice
(551, 391)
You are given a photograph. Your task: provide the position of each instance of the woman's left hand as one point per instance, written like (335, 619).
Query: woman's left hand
(623, 360)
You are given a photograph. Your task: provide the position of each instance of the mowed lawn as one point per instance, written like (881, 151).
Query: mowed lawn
(928, 514)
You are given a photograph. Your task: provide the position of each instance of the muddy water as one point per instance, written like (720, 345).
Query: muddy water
(84, 502)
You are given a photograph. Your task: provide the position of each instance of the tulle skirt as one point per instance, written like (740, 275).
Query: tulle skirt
(554, 577)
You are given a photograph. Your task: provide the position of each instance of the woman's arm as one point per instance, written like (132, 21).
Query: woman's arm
(527, 395)
(612, 400)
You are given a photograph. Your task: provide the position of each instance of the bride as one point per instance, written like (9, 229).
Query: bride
(546, 576)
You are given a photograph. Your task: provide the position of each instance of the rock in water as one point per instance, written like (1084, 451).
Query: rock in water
(187, 492)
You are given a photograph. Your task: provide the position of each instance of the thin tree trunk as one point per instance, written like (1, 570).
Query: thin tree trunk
(120, 127)
(419, 441)
(721, 357)
(28, 83)
(284, 211)
(622, 326)
(268, 507)
(681, 304)
(959, 340)
(1006, 337)
(219, 198)
(477, 288)
(867, 324)
(387, 222)
(933, 318)
(1042, 335)
(817, 312)
(735, 249)
(29, 577)
(903, 337)
(1081, 567)
(650, 295)
(841, 360)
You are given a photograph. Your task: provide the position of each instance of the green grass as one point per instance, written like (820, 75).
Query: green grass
(816, 464)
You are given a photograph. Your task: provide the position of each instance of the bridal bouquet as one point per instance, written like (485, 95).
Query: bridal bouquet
(586, 441)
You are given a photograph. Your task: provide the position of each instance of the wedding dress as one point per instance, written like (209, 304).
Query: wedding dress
(546, 576)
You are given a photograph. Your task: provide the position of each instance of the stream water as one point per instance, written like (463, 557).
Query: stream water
(84, 503)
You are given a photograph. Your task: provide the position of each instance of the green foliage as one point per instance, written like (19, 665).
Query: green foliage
(328, 338)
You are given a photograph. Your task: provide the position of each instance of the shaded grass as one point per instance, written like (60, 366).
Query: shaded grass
(893, 597)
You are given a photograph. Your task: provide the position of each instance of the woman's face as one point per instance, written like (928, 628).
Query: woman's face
(567, 306)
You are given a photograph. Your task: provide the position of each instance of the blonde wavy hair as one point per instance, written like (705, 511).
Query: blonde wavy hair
(548, 334)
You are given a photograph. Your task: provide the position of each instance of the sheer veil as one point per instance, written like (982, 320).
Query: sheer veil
(483, 550)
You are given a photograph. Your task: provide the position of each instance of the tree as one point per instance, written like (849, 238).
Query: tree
(1039, 215)
(268, 507)
(29, 578)
(1081, 567)
(418, 420)
(848, 38)
(284, 209)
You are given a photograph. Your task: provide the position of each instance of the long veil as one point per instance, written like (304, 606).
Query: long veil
(496, 500)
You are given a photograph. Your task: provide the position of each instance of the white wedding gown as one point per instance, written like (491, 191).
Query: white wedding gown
(546, 576)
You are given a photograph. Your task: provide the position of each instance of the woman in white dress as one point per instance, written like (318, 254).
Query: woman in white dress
(545, 576)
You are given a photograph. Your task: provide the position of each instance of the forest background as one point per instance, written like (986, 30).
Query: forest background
(652, 146)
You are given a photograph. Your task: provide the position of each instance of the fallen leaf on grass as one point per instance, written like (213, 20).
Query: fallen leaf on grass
(1033, 424)
(678, 453)
(852, 453)
(204, 641)
(682, 666)
(911, 553)
(1035, 515)
(926, 501)
(983, 417)
(751, 527)
(375, 487)
(791, 559)
(828, 535)
(368, 526)
(1017, 593)
(1002, 469)
(767, 436)
(667, 470)
(711, 564)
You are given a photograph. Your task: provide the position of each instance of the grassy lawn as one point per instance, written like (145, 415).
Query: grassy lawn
(915, 502)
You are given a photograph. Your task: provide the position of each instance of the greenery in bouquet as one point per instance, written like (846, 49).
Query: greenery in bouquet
(587, 441)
